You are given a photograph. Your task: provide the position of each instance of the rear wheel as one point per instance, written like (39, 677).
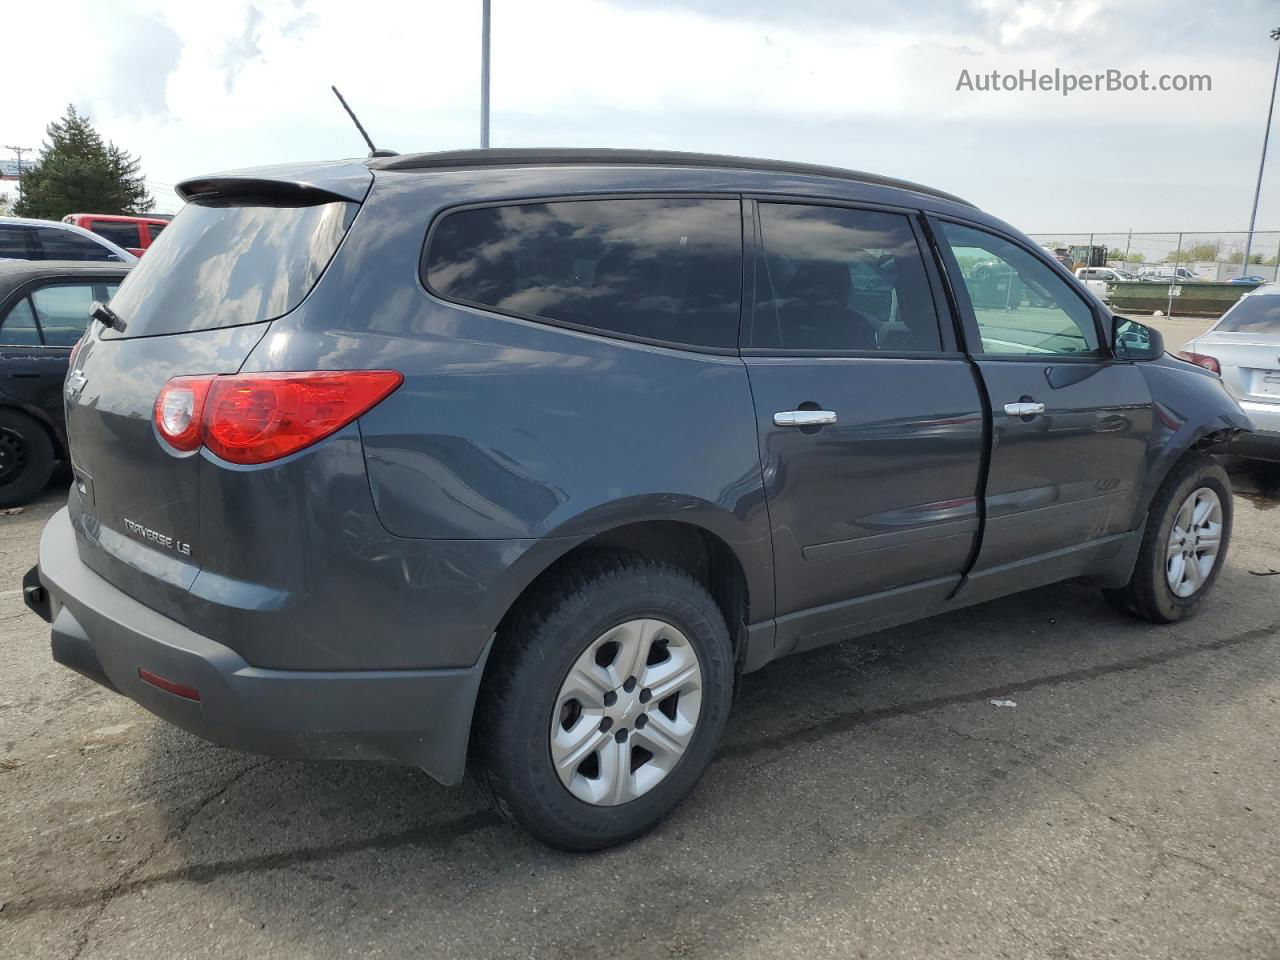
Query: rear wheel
(609, 694)
(26, 458)
(1184, 544)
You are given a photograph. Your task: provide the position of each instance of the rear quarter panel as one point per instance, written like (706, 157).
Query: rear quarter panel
(513, 430)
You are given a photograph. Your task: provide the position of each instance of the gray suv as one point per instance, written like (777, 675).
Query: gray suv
(528, 456)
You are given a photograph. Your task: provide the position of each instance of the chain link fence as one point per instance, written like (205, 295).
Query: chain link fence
(1208, 256)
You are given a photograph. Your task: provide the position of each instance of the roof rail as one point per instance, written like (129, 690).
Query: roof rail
(546, 157)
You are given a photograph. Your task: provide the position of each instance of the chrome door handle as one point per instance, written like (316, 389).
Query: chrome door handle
(1023, 409)
(804, 418)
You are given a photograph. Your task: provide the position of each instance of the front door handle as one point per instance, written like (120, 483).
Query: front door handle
(804, 418)
(1023, 409)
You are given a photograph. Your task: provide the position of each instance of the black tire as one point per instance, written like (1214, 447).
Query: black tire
(532, 657)
(26, 458)
(1148, 594)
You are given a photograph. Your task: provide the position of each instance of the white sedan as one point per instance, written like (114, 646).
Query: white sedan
(22, 238)
(1244, 349)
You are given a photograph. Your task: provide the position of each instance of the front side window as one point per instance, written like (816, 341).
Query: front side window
(121, 234)
(63, 309)
(657, 269)
(64, 245)
(1022, 307)
(19, 327)
(833, 279)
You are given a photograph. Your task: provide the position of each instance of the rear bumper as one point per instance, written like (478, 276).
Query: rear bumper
(1264, 441)
(417, 717)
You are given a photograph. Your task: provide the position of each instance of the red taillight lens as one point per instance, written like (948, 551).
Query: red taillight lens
(1202, 360)
(255, 418)
(179, 410)
(75, 352)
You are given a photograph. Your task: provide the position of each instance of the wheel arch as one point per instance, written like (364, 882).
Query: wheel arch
(741, 585)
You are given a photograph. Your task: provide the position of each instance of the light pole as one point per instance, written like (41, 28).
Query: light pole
(484, 75)
(1257, 191)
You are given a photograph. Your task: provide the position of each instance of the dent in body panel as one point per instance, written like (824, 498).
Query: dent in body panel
(1072, 473)
(296, 559)
(1188, 406)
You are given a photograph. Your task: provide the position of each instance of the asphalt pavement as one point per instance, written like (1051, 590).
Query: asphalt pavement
(871, 800)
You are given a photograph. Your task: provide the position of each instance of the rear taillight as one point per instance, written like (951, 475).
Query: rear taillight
(254, 418)
(1201, 360)
(75, 352)
(179, 409)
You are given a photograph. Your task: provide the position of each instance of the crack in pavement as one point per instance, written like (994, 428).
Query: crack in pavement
(443, 834)
(1162, 852)
(843, 722)
(104, 897)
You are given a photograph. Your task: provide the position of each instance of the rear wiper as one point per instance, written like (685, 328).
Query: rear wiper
(106, 316)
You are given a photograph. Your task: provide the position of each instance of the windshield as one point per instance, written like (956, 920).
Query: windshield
(229, 265)
(1252, 314)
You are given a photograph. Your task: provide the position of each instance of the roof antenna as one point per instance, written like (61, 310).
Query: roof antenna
(373, 151)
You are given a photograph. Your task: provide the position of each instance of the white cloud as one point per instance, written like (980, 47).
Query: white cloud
(195, 87)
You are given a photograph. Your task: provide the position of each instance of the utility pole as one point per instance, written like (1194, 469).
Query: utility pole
(19, 151)
(484, 74)
(1257, 191)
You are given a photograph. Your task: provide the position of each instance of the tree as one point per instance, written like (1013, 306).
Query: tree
(1239, 255)
(1115, 253)
(77, 172)
(1205, 250)
(1135, 256)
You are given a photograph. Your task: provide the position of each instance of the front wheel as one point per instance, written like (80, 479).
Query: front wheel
(605, 703)
(1184, 544)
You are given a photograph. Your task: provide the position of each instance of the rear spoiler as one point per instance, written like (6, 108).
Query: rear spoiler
(290, 185)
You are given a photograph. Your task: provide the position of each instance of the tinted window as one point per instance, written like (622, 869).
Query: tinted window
(1023, 307)
(13, 243)
(65, 245)
(121, 234)
(19, 328)
(155, 229)
(660, 269)
(63, 309)
(1253, 314)
(229, 265)
(836, 279)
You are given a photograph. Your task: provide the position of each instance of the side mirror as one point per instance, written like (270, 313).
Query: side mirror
(1131, 340)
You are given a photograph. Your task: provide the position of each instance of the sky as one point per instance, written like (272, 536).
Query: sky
(195, 87)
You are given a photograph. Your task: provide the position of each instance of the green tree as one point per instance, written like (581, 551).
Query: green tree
(77, 172)
(1135, 256)
(1115, 253)
(1239, 255)
(1205, 250)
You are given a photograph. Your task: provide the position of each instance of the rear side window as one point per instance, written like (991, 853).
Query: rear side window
(154, 229)
(121, 234)
(1253, 314)
(63, 309)
(833, 279)
(657, 269)
(19, 327)
(224, 266)
(13, 243)
(65, 245)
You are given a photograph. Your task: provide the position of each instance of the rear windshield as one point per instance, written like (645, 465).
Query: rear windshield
(224, 266)
(1253, 314)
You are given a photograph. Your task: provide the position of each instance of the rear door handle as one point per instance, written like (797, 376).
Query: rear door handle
(1023, 409)
(804, 418)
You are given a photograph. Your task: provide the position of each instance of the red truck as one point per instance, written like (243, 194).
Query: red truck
(135, 234)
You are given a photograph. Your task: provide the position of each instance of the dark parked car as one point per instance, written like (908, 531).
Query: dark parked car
(44, 308)
(529, 455)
